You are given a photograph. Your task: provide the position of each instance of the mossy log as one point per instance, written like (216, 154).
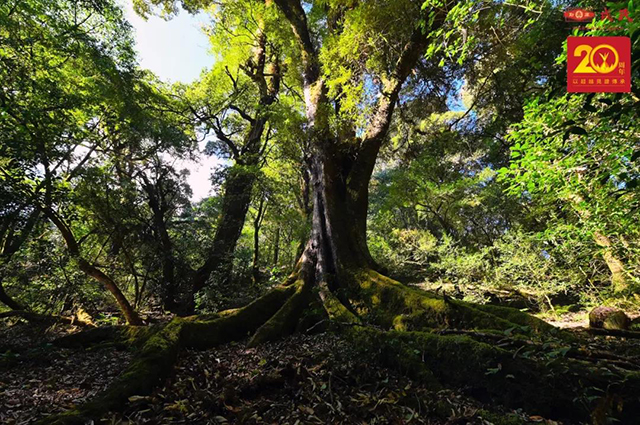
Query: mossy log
(402, 326)
(44, 318)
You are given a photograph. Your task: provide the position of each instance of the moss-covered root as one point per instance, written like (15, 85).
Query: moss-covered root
(237, 324)
(397, 306)
(150, 366)
(155, 359)
(285, 320)
(560, 388)
(130, 336)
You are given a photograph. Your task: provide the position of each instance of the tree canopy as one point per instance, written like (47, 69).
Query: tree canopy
(392, 171)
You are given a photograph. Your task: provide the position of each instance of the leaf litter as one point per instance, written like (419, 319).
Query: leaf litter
(303, 379)
(38, 379)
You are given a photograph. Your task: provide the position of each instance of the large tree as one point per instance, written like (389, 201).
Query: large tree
(355, 62)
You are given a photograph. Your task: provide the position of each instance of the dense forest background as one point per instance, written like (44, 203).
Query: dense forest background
(363, 144)
(493, 181)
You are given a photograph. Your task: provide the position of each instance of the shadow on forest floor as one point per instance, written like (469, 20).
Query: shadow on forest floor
(37, 378)
(303, 379)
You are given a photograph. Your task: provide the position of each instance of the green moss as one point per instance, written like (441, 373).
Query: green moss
(488, 372)
(285, 320)
(159, 347)
(501, 418)
(517, 317)
(393, 305)
(150, 366)
(237, 324)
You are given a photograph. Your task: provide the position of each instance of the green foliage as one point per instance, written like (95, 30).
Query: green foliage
(77, 121)
(578, 155)
(492, 179)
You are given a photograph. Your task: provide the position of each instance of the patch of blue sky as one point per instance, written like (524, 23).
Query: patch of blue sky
(177, 50)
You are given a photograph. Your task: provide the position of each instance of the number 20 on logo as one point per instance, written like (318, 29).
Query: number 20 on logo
(598, 64)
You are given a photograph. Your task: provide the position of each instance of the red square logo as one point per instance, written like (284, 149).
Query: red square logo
(598, 64)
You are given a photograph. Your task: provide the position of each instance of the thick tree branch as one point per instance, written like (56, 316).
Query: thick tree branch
(242, 113)
(383, 112)
(293, 11)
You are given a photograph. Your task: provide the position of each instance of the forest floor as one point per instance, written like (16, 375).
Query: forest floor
(303, 379)
(37, 378)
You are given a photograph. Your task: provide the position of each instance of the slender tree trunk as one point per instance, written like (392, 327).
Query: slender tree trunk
(257, 223)
(129, 313)
(11, 243)
(616, 268)
(242, 176)
(256, 254)
(276, 247)
(169, 284)
(235, 204)
(74, 250)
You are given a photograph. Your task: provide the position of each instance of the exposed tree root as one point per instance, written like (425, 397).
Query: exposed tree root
(155, 359)
(554, 387)
(614, 332)
(503, 341)
(119, 335)
(397, 306)
(43, 318)
(403, 326)
(285, 320)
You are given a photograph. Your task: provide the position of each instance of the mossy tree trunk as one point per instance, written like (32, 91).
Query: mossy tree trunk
(336, 261)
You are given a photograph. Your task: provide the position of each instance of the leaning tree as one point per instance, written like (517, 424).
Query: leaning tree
(355, 61)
